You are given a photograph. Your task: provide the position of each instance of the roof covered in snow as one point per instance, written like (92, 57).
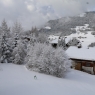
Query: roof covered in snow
(47, 27)
(81, 53)
(53, 39)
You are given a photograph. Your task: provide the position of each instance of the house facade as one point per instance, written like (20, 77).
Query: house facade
(84, 65)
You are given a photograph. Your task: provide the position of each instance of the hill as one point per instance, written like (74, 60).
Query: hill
(17, 80)
(65, 24)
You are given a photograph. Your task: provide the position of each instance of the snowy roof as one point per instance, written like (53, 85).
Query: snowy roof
(47, 27)
(53, 39)
(81, 53)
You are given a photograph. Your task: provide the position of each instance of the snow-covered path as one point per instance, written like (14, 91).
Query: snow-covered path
(16, 80)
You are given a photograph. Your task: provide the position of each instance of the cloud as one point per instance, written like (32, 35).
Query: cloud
(30, 7)
(7, 2)
(37, 12)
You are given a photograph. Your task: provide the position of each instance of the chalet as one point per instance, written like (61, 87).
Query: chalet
(53, 40)
(84, 58)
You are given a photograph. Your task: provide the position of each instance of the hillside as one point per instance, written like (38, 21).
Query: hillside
(65, 24)
(17, 80)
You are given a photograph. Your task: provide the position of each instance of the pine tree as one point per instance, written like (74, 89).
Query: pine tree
(5, 47)
(19, 53)
(16, 33)
(4, 29)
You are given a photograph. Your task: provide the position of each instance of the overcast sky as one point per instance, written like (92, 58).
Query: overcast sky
(37, 12)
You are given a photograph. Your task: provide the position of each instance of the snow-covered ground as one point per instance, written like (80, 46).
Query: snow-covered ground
(85, 52)
(85, 38)
(17, 80)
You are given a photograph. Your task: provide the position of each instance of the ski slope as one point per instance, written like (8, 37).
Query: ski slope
(17, 80)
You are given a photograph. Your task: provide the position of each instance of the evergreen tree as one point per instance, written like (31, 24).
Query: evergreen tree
(5, 47)
(19, 53)
(16, 33)
(4, 29)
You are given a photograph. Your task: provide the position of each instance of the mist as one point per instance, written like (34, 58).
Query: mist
(37, 12)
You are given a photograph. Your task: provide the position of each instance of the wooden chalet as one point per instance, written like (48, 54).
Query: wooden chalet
(80, 63)
(84, 59)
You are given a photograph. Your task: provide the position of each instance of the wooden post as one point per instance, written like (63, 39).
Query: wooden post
(78, 66)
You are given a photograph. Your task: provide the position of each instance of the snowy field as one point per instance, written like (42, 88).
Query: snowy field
(85, 39)
(17, 80)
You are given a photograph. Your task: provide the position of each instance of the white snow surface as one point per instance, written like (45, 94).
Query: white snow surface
(53, 39)
(84, 38)
(82, 15)
(47, 27)
(17, 80)
(81, 53)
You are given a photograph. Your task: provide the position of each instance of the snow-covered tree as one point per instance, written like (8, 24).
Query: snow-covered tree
(34, 31)
(17, 28)
(45, 59)
(5, 51)
(73, 42)
(92, 45)
(42, 38)
(93, 33)
(19, 53)
(5, 46)
(16, 32)
(5, 29)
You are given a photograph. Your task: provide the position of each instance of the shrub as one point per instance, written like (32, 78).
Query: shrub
(92, 45)
(93, 33)
(45, 59)
(73, 42)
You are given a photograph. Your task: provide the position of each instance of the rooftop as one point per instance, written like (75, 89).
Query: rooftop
(81, 53)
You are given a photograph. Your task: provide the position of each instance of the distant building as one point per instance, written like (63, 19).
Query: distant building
(53, 40)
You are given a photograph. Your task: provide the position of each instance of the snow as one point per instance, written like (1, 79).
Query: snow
(53, 39)
(85, 52)
(85, 27)
(47, 27)
(85, 38)
(82, 15)
(17, 80)
(81, 53)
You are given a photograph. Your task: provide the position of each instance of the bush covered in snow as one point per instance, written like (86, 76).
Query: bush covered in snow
(42, 38)
(92, 45)
(45, 59)
(93, 33)
(73, 42)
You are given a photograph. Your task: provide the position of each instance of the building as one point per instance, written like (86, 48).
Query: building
(84, 58)
(53, 40)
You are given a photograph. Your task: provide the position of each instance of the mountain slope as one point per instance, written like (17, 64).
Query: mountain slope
(65, 24)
